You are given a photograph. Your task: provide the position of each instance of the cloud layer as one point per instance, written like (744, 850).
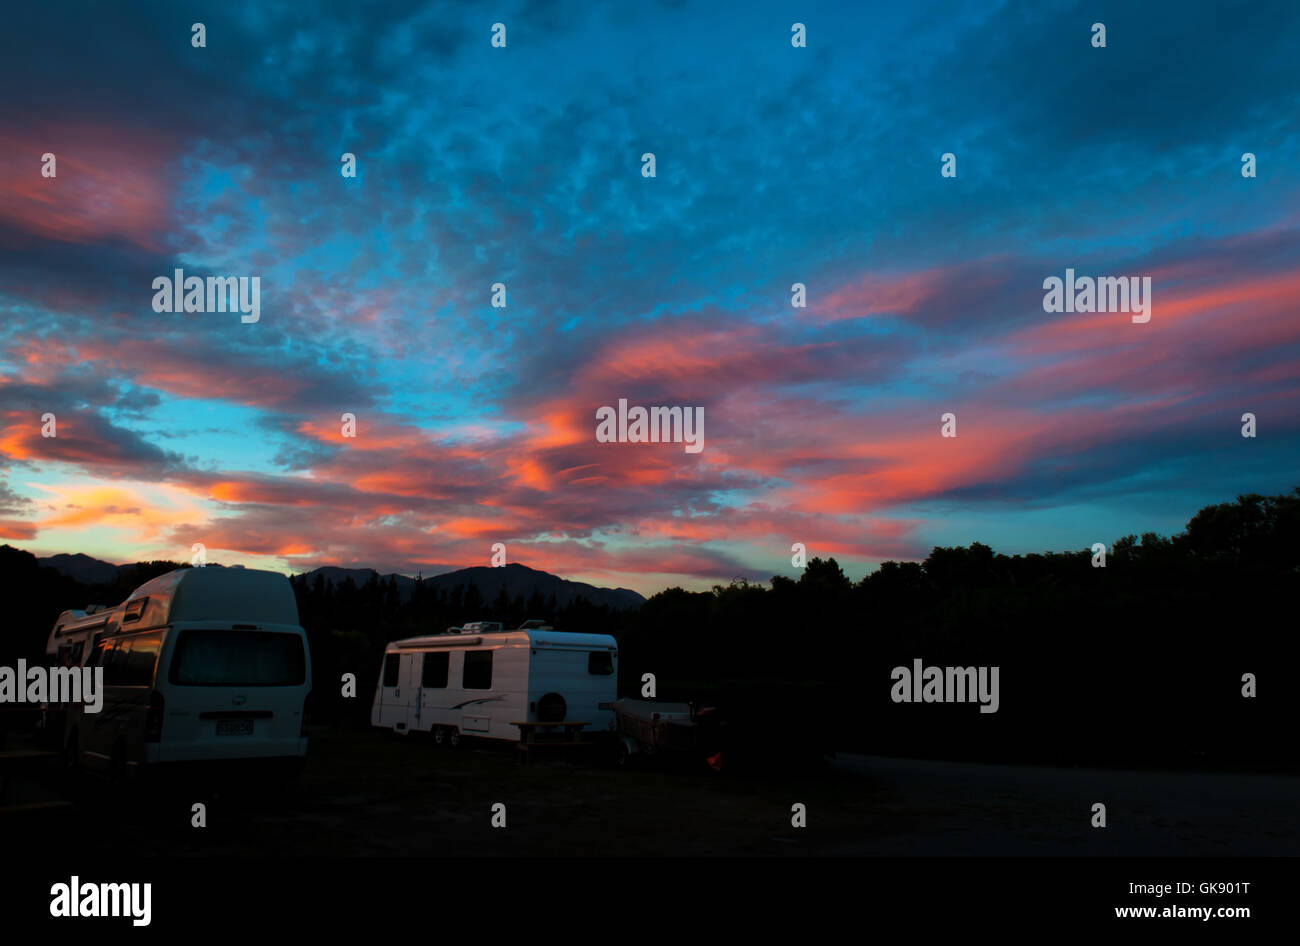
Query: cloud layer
(521, 166)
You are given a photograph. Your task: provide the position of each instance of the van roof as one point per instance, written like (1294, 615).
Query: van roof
(211, 593)
(221, 595)
(537, 638)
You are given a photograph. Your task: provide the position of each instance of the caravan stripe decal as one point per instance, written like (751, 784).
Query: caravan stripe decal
(486, 699)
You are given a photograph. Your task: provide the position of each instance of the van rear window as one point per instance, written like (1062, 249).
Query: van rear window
(238, 658)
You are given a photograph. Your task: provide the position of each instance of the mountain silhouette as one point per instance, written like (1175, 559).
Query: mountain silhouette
(514, 578)
(82, 568)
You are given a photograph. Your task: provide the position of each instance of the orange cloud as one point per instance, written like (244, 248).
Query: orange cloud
(109, 183)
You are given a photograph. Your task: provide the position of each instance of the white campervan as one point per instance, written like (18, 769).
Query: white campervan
(199, 665)
(480, 684)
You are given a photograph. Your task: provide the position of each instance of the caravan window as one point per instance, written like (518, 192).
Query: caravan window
(435, 670)
(238, 659)
(478, 670)
(600, 662)
(390, 669)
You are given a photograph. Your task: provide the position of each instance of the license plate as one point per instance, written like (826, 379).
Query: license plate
(235, 727)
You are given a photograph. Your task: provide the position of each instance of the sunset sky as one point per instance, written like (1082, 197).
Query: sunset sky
(522, 165)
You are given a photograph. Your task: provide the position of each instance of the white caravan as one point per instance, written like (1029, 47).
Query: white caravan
(66, 645)
(199, 665)
(480, 684)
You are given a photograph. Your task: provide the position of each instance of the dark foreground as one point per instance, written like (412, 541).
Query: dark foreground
(374, 794)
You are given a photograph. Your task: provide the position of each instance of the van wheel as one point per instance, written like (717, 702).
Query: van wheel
(117, 764)
(73, 773)
(440, 736)
(453, 738)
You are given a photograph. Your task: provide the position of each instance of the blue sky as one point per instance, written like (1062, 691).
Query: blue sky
(522, 165)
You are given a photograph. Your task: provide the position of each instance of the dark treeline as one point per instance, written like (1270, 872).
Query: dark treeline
(1137, 662)
(35, 595)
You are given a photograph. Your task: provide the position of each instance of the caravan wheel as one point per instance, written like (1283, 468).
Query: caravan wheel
(453, 738)
(440, 736)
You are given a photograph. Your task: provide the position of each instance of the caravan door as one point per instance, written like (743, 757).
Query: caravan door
(395, 692)
(399, 692)
(410, 672)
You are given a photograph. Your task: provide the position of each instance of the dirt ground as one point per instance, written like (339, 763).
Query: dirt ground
(372, 793)
(377, 794)
(958, 808)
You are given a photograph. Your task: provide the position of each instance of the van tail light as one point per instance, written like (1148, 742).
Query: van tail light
(306, 715)
(154, 721)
